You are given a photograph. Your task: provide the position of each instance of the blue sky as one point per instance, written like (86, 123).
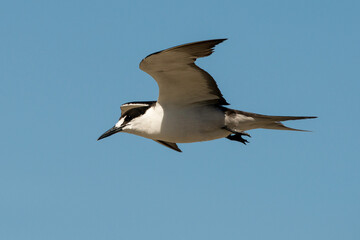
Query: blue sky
(67, 66)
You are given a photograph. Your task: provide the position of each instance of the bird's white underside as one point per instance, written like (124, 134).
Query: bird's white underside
(179, 125)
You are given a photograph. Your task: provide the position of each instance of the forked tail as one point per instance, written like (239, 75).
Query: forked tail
(247, 120)
(274, 122)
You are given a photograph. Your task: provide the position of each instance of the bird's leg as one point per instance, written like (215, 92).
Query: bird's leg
(237, 136)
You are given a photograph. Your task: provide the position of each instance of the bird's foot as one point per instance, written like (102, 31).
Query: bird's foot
(238, 137)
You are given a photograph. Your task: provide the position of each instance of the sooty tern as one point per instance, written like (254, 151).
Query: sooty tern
(190, 106)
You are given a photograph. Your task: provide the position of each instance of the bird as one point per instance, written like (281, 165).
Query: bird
(190, 107)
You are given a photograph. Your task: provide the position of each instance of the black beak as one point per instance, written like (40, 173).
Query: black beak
(110, 132)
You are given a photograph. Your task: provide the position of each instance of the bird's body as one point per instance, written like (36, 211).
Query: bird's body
(190, 107)
(180, 125)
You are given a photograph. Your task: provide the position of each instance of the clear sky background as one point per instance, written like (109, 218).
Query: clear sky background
(67, 66)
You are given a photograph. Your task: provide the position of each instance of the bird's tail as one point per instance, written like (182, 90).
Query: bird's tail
(270, 122)
(274, 122)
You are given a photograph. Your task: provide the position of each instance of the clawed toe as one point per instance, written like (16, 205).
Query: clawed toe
(238, 137)
(245, 134)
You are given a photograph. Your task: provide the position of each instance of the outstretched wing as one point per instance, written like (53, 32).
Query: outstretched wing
(180, 81)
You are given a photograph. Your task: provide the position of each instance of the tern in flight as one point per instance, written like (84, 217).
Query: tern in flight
(190, 106)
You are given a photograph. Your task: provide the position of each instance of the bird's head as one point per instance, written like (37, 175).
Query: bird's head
(127, 121)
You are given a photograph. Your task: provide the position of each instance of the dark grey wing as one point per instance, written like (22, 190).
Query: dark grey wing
(180, 81)
(169, 145)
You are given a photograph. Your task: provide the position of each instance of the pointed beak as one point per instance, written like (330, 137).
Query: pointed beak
(110, 132)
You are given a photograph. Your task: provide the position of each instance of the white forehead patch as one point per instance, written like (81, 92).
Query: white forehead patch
(119, 123)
